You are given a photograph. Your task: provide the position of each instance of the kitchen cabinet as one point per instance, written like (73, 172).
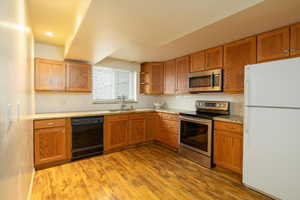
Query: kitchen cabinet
(170, 77)
(78, 77)
(273, 45)
(60, 76)
(152, 125)
(116, 130)
(228, 145)
(168, 133)
(207, 60)
(152, 78)
(182, 73)
(214, 58)
(236, 55)
(137, 129)
(50, 75)
(295, 40)
(51, 142)
(198, 62)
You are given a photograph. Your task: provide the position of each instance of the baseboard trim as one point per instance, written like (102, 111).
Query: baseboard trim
(31, 185)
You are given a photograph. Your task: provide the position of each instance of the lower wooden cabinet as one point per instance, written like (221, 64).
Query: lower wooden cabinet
(137, 131)
(124, 129)
(168, 130)
(228, 146)
(152, 125)
(51, 142)
(116, 134)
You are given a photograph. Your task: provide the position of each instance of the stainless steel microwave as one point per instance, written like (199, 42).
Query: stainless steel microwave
(207, 81)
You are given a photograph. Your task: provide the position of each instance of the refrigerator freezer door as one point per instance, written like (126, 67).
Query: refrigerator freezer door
(274, 84)
(272, 151)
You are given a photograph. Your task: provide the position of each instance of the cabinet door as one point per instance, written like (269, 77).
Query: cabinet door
(236, 56)
(78, 77)
(50, 75)
(137, 131)
(228, 146)
(198, 62)
(295, 40)
(116, 134)
(182, 72)
(214, 58)
(273, 45)
(50, 145)
(170, 77)
(157, 78)
(152, 126)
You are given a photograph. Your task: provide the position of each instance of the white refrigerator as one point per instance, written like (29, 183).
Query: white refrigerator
(271, 163)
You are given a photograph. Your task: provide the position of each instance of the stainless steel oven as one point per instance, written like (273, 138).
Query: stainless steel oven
(196, 131)
(196, 135)
(207, 81)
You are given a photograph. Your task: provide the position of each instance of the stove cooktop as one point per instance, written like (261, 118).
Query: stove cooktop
(205, 115)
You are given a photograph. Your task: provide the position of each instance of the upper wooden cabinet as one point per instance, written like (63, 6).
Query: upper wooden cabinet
(273, 45)
(236, 56)
(79, 77)
(207, 60)
(214, 58)
(198, 62)
(50, 75)
(182, 73)
(295, 40)
(152, 78)
(170, 77)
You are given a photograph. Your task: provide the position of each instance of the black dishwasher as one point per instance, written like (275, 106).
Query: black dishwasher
(87, 137)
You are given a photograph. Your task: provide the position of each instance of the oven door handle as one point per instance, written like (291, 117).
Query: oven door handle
(195, 120)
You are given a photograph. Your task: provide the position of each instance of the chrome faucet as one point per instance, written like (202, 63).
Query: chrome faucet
(122, 100)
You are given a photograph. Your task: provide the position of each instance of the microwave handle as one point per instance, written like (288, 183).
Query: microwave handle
(212, 80)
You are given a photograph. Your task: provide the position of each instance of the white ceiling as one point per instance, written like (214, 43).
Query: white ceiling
(56, 16)
(156, 30)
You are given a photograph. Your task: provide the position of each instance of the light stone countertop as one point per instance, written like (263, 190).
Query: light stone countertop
(102, 113)
(230, 118)
(226, 118)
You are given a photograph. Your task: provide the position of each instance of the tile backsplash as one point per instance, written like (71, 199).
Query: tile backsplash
(188, 101)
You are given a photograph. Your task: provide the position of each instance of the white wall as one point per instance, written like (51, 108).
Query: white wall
(188, 101)
(16, 70)
(79, 102)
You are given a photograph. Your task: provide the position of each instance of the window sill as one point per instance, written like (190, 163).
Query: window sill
(113, 102)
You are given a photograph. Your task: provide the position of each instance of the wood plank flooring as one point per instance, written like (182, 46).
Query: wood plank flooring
(145, 173)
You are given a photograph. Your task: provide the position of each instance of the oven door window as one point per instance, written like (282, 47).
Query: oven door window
(194, 135)
(200, 81)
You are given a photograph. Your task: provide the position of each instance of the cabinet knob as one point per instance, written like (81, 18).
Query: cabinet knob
(50, 124)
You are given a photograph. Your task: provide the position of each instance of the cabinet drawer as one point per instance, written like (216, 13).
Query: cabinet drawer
(49, 123)
(151, 115)
(172, 117)
(116, 117)
(137, 116)
(167, 124)
(228, 126)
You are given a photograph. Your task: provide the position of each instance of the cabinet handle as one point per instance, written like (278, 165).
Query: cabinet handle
(50, 124)
(286, 51)
(293, 49)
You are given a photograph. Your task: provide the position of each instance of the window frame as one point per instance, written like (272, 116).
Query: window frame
(116, 101)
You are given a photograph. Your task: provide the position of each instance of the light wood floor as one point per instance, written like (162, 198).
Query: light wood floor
(146, 172)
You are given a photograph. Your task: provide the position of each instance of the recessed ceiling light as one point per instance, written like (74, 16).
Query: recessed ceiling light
(49, 34)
